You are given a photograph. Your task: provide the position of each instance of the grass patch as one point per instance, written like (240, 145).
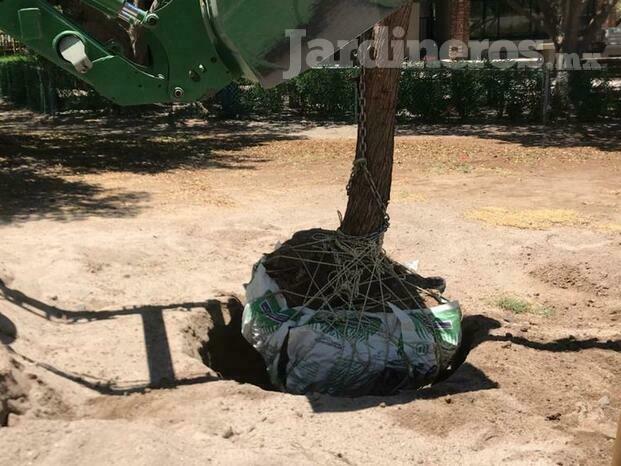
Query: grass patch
(518, 305)
(531, 219)
(611, 227)
(513, 304)
(410, 197)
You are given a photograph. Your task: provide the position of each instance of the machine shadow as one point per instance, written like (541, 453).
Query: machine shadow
(157, 345)
(480, 327)
(226, 352)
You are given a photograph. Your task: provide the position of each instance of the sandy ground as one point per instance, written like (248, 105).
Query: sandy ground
(124, 243)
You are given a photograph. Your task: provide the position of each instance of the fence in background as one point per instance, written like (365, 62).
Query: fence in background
(435, 95)
(8, 46)
(34, 83)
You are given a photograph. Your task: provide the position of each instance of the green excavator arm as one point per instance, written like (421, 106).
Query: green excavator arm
(196, 47)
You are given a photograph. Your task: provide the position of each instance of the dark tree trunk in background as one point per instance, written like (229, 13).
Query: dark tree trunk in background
(563, 23)
(459, 27)
(363, 215)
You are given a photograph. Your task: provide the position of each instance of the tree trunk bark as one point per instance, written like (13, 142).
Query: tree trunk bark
(459, 25)
(364, 216)
(572, 26)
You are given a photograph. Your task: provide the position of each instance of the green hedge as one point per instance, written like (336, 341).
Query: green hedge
(321, 92)
(591, 94)
(438, 95)
(426, 93)
(242, 98)
(515, 94)
(326, 92)
(20, 81)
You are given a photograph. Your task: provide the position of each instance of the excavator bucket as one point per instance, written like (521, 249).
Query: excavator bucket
(196, 47)
(270, 38)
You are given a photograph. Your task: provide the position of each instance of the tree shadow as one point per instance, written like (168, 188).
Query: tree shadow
(38, 154)
(605, 136)
(148, 144)
(28, 195)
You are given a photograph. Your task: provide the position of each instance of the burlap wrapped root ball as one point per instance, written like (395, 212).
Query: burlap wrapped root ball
(334, 314)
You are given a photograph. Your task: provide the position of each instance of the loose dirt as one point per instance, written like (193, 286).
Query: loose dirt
(124, 246)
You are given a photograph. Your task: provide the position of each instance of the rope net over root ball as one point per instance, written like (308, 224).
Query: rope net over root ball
(333, 313)
(330, 271)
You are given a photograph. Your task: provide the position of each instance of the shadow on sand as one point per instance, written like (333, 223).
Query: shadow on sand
(227, 353)
(605, 136)
(39, 163)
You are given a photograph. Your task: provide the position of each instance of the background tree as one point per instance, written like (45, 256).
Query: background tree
(562, 20)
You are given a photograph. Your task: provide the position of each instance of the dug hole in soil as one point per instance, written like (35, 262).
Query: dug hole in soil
(215, 338)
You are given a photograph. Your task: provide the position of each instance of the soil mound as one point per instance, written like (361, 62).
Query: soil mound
(14, 387)
(578, 277)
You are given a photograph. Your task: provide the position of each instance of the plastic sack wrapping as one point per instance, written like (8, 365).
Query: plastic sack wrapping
(348, 352)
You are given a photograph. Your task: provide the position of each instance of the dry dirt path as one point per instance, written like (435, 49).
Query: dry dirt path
(118, 250)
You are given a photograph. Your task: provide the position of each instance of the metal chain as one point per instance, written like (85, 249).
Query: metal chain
(361, 150)
(360, 162)
(362, 102)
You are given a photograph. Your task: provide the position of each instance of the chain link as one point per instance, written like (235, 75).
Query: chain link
(360, 162)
